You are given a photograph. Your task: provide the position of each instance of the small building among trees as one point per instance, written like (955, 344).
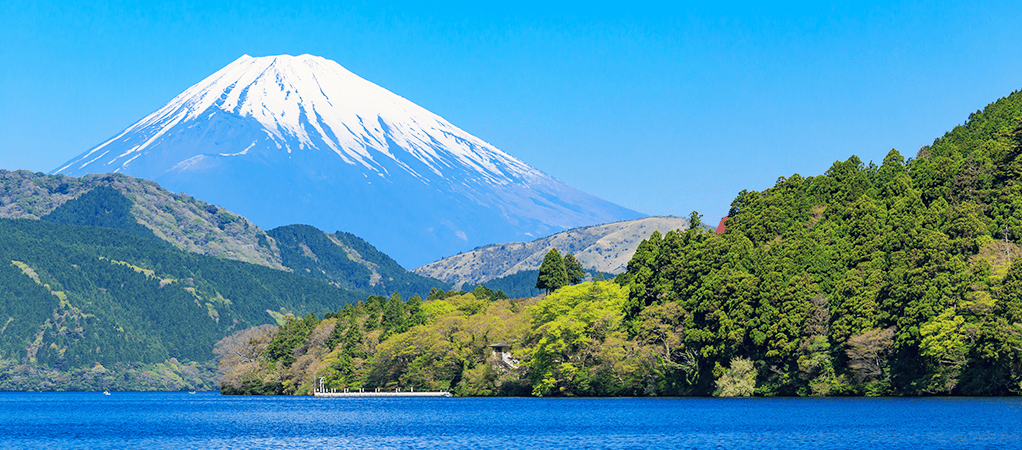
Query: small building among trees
(502, 354)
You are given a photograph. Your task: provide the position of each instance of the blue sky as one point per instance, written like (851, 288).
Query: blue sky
(663, 110)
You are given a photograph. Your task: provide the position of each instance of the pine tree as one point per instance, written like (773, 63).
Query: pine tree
(576, 273)
(552, 273)
(695, 220)
(394, 314)
(415, 314)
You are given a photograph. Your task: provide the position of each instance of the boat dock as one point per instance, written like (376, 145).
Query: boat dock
(383, 394)
(321, 391)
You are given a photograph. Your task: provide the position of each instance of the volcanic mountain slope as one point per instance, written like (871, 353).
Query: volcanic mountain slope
(604, 248)
(284, 139)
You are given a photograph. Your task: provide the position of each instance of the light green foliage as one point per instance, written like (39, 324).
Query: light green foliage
(945, 341)
(817, 367)
(575, 328)
(452, 346)
(738, 381)
(436, 309)
(437, 344)
(25, 269)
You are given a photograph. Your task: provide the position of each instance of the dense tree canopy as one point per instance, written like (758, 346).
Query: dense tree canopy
(889, 279)
(902, 278)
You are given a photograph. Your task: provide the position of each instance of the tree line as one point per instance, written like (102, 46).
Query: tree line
(898, 278)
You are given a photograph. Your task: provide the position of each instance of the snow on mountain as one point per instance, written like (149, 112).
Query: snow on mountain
(299, 139)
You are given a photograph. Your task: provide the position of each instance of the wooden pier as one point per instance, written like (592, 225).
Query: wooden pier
(383, 394)
(322, 391)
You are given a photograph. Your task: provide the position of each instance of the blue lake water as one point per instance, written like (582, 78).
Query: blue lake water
(209, 420)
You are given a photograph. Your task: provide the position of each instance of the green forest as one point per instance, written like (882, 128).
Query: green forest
(90, 298)
(87, 307)
(346, 261)
(901, 278)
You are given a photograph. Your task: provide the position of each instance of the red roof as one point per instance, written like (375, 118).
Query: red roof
(721, 227)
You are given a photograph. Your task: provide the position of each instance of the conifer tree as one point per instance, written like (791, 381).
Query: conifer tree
(394, 314)
(414, 309)
(576, 273)
(553, 274)
(695, 220)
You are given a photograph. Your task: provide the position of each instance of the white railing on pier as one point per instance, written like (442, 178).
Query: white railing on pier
(321, 391)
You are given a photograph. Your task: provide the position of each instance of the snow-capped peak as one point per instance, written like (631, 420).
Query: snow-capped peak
(311, 102)
(299, 139)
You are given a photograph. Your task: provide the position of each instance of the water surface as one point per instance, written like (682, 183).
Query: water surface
(209, 420)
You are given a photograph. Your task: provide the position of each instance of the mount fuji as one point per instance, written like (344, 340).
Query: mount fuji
(299, 139)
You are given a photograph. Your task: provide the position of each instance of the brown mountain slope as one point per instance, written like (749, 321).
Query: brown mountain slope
(606, 248)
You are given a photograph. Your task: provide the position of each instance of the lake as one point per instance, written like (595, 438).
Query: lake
(89, 420)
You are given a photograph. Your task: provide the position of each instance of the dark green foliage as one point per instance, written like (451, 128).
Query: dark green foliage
(360, 327)
(102, 206)
(518, 285)
(484, 293)
(576, 273)
(74, 296)
(415, 316)
(346, 261)
(440, 294)
(553, 275)
(394, 317)
(904, 261)
(169, 375)
(292, 334)
(695, 220)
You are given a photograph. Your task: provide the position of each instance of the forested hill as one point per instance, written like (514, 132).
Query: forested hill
(87, 307)
(903, 278)
(143, 208)
(135, 205)
(900, 278)
(347, 261)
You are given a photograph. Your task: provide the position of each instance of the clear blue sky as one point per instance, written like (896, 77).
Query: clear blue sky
(662, 110)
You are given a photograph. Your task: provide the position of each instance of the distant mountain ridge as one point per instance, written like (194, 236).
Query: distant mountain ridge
(188, 223)
(604, 248)
(145, 209)
(346, 261)
(299, 139)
